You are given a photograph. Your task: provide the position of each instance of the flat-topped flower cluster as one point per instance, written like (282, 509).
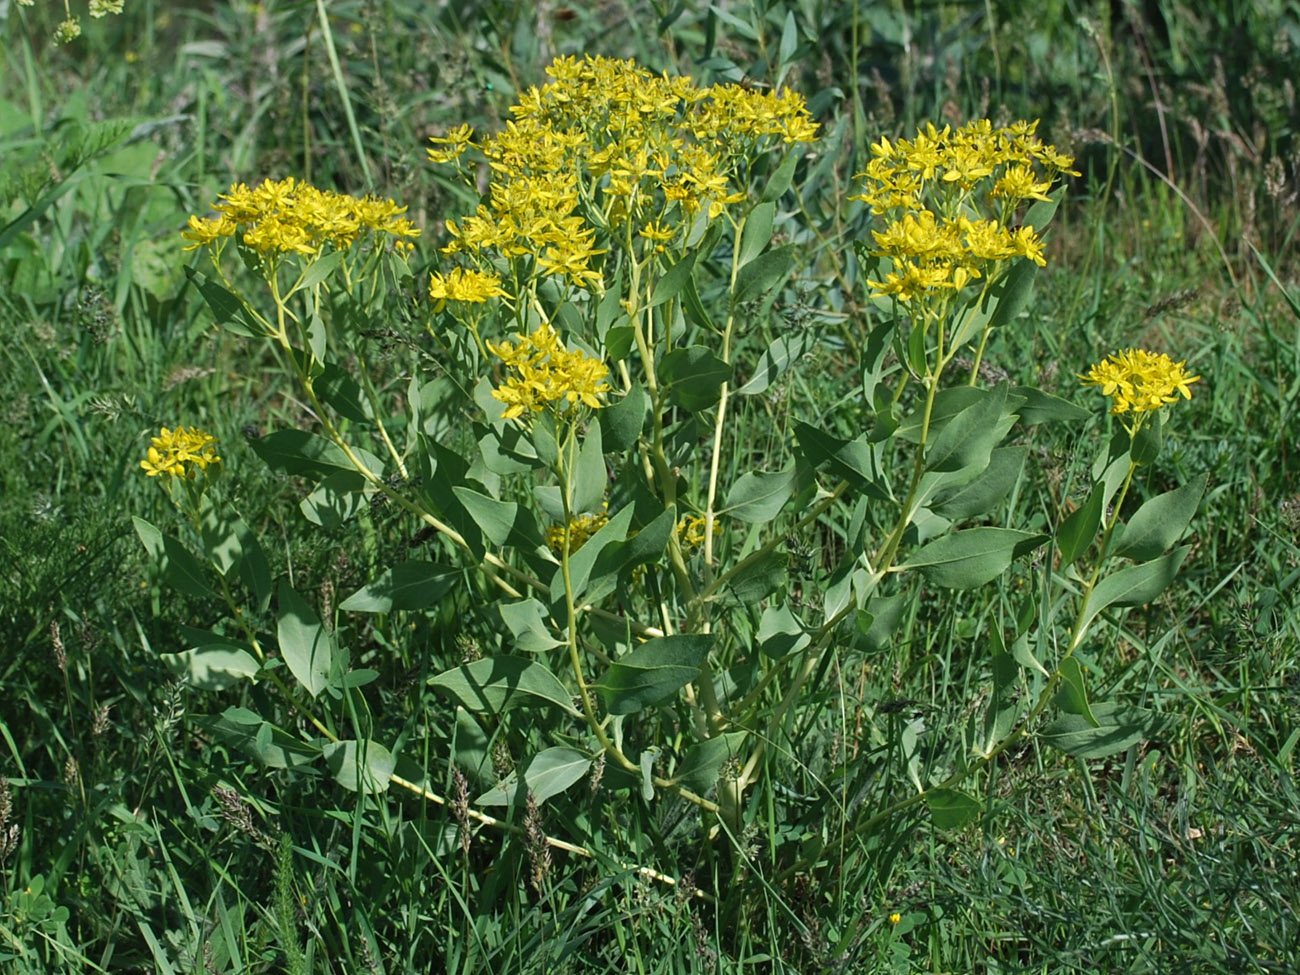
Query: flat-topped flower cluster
(289, 216)
(1138, 381)
(954, 201)
(180, 452)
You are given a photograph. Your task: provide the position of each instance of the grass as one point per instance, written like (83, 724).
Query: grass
(135, 839)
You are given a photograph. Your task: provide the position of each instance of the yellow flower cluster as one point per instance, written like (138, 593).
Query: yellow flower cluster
(1138, 381)
(581, 528)
(953, 198)
(172, 450)
(469, 286)
(690, 530)
(542, 372)
(289, 216)
(609, 150)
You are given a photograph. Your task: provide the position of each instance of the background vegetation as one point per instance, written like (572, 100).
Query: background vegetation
(131, 839)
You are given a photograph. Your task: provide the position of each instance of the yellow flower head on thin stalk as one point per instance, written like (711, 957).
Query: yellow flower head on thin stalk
(180, 452)
(953, 200)
(541, 372)
(1138, 381)
(690, 531)
(289, 216)
(581, 528)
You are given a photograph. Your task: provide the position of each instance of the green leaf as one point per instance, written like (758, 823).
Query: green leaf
(526, 620)
(784, 351)
(266, 743)
(495, 684)
(1116, 729)
(971, 557)
(1039, 407)
(703, 762)
(694, 377)
(335, 499)
(407, 585)
(320, 269)
(1003, 708)
(758, 497)
(949, 403)
(856, 461)
(968, 438)
(780, 180)
(227, 310)
(300, 452)
(1134, 586)
(760, 578)
(496, 519)
(951, 808)
(307, 647)
(645, 546)
(780, 632)
(981, 495)
(653, 672)
(1079, 529)
(1161, 521)
(212, 667)
(1011, 294)
(1150, 439)
(757, 233)
(547, 774)
(338, 390)
(360, 766)
(622, 421)
(762, 274)
(590, 478)
(673, 280)
(582, 563)
(1073, 695)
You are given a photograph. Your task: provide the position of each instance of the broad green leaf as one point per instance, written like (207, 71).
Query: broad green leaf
(1079, 529)
(407, 585)
(1012, 293)
(1134, 586)
(883, 614)
(496, 519)
(856, 461)
(653, 672)
(673, 280)
(342, 393)
(320, 269)
(583, 562)
(526, 620)
(967, 439)
(951, 808)
(694, 377)
(300, 452)
(757, 233)
(703, 762)
(981, 495)
(212, 667)
(622, 421)
(648, 773)
(1003, 708)
(227, 310)
(760, 578)
(1073, 695)
(266, 743)
(694, 308)
(780, 632)
(495, 684)
(182, 569)
(590, 478)
(949, 403)
(1161, 521)
(547, 774)
(335, 499)
(360, 766)
(1149, 441)
(1039, 407)
(762, 274)
(647, 545)
(307, 647)
(781, 179)
(784, 351)
(1117, 728)
(971, 557)
(758, 497)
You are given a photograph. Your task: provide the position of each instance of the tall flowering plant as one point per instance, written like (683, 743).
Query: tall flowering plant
(563, 429)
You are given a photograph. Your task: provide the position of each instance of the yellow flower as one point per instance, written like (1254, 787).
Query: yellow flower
(543, 372)
(690, 530)
(172, 450)
(1138, 381)
(581, 528)
(453, 144)
(473, 287)
(895, 918)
